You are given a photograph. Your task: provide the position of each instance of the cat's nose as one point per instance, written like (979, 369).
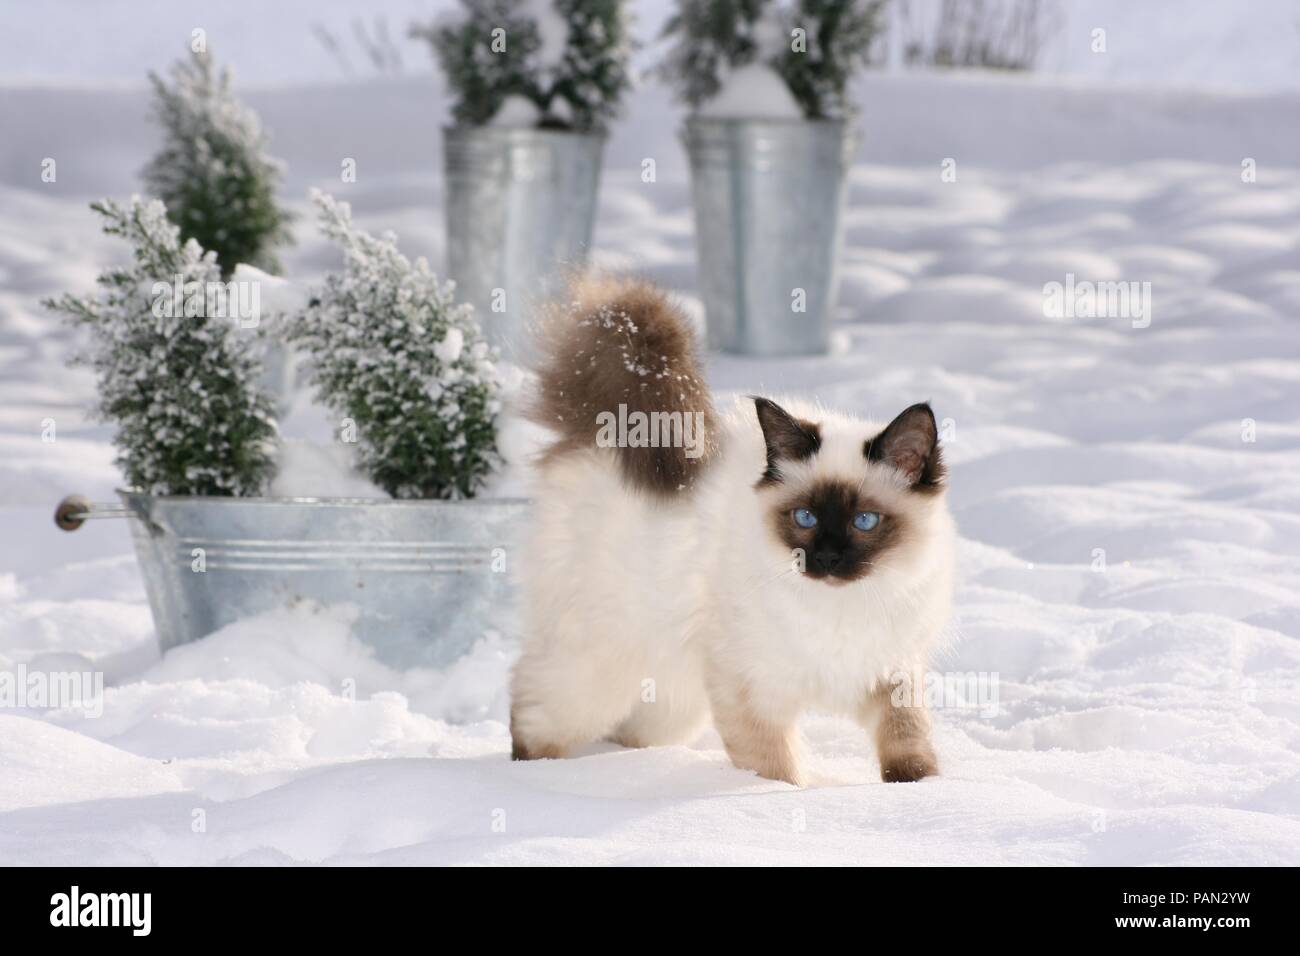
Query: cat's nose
(827, 560)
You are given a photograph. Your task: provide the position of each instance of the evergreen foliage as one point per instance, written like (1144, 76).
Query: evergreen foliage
(212, 172)
(388, 348)
(180, 385)
(569, 58)
(814, 45)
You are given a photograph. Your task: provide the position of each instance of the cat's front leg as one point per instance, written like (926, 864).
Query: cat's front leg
(754, 739)
(902, 734)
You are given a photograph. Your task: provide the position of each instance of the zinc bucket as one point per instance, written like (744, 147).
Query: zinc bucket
(426, 579)
(769, 199)
(520, 209)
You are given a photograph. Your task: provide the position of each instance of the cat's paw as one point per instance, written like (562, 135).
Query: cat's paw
(791, 775)
(531, 746)
(909, 767)
(771, 767)
(522, 751)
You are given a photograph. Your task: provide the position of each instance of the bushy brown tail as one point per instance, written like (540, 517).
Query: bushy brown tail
(619, 353)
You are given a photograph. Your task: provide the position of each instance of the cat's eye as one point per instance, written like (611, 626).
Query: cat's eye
(866, 520)
(804, 518)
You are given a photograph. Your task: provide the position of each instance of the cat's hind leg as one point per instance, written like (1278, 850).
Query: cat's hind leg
(565, 694)
(671, 709)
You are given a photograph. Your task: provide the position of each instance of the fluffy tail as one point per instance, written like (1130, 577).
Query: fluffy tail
(619, 369)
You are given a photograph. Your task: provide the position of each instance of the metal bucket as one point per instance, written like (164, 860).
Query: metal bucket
(427, 578)
(520, 208)
(768, 198)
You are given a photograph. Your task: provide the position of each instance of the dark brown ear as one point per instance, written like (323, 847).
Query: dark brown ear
(788, 438)
(911, 444)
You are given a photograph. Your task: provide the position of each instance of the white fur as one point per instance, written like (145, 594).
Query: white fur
(638, 609)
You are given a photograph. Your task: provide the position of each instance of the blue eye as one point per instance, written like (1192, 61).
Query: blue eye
(804, 518)
(866, 520)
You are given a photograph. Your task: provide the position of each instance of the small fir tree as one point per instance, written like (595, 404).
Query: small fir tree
(841, 37)
(485, 55)
(179, 384)
(213, 173)
(593, 75)
(569, 58)
(709, 37)
(388, 348)
(814, 45)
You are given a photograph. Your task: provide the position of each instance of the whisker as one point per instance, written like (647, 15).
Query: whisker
(767, 581)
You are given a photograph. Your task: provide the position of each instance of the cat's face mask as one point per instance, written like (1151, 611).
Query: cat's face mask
(846, 504)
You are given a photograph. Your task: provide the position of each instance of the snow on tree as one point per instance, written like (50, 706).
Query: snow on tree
(179, 383)
(592, 75)
(840, 37)
(569, 58)
(388, 348)
(213, 173)
(813, 45)
(485, 55)
(710, 36)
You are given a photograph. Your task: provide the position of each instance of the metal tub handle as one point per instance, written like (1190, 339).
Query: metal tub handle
(73, 511)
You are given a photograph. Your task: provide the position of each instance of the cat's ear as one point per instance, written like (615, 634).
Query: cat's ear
(787, 437)
(911, 444)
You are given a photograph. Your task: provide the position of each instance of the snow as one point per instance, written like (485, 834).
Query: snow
(448, 350)
(516, 112)
(277, 295)
(755, 91)
(552, 32)
(318, 468)
(1148, 706)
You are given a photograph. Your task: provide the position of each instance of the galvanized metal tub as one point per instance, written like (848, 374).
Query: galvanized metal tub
(768, 196)
(427, 578)
(520, 208)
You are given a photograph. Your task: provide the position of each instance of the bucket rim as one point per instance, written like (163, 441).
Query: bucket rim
(787, 122)
(131, 495)
(521, 132)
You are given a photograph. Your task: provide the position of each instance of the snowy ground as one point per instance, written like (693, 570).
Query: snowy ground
(1149, 711)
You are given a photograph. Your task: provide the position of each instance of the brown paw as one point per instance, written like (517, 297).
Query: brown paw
(519, 752)
(522, 751)
(908, 768)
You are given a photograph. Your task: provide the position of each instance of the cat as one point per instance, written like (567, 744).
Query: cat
(785, 558)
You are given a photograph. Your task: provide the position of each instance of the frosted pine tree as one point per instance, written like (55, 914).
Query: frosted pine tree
(388, 348)
(179, 384)
(486, 54)
(592, 75)
(709, 37)
(838, 38)
(814, 45)
(567, 58)
(213, 172)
